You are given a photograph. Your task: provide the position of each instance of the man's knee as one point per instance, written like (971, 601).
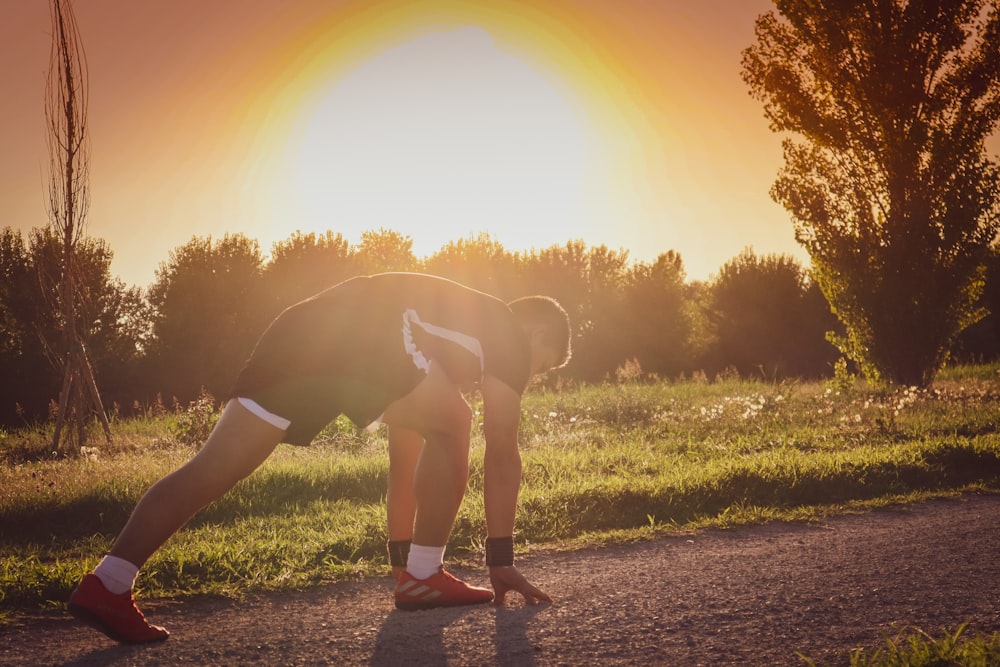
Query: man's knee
(457, 420)
(434, 410)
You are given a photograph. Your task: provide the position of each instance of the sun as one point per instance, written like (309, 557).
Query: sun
(441, 137)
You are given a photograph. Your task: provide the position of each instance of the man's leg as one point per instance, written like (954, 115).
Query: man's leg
(400, 500)
(238, 444)
(437, 411)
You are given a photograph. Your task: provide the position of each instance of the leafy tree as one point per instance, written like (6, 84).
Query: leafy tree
(980, 343)
(702, 339)
(561, 272)
(21, 354)
(601, 344)
(888, 181)
(16, 293)
(769, 318)
(385, 250)
(657, 320)
(481, 262)
(111, 320)
(207, 315)
(305, 264)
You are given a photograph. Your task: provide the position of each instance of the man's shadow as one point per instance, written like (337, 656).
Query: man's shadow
(405, 633)
(409, 636)
(513, 646)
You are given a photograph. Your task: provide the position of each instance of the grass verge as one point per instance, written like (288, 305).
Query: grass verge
(601, 464)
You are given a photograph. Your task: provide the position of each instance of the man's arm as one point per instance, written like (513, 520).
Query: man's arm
(502, 465)
(502, 482)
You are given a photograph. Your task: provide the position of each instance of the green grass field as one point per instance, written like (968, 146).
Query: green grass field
(601, 464)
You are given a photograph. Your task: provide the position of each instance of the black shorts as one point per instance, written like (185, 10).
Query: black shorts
(359, 346)
(319, 360)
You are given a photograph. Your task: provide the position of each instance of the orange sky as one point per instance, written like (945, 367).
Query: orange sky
(622, 123)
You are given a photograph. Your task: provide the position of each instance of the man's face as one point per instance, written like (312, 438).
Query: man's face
(543, 357)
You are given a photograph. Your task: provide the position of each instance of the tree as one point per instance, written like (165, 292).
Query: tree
(305, 264)
(657, 320)
(112, 321)
(21, 356)
(769, 319)
(600, 345)
(69, 157)
(385, 250)
(481, 262)
(207, 315)
(980, 343)
(888, 181)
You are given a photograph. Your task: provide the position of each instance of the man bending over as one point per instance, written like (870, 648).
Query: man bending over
(396, 348)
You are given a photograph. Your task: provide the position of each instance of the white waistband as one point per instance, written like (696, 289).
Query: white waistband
(271, 418)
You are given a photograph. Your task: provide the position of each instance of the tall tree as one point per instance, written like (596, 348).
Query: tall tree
(305, 264)
(69, 198)
(21, 354)
(478, 261)
(769, 318)
(112, 319)
(207, 314)
(887, 177)
(385, 250)
(658, 321)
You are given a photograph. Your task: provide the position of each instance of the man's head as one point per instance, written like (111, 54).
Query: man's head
(547, 324)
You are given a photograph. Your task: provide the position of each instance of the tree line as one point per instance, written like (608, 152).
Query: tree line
(885, 106)
(194, 326)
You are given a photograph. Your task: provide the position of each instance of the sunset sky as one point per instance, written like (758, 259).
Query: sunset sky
(621, 123)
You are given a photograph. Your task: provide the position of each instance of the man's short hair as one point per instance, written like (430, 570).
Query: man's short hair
(543, 310)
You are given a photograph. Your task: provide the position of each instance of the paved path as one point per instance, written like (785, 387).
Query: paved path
(748, 596)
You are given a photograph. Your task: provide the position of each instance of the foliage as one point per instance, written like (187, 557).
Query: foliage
(888, 182)
(770, 318)
(192, 329)
(656, 322)
(385, 250)
(207, 315)
(195, 424)
(480, 262)
(111, 320)
(305, 264)
(978, 343)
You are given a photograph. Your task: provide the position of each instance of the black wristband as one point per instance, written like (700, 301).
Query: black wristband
(499, 551)
(398, 551)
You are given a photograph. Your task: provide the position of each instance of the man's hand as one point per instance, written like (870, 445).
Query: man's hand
(507, 578)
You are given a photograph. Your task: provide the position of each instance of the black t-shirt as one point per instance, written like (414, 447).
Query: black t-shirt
(368, 341)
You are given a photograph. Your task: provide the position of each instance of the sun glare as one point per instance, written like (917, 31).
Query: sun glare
(441, 137)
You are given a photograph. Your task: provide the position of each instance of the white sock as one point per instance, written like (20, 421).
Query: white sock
(423, 561)
(117, 574)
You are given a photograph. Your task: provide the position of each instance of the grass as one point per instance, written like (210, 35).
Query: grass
(601, 464)
(916, 648)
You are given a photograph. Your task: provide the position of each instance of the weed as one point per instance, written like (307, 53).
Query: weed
(195, 423)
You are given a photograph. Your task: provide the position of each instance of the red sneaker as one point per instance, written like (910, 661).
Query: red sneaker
(114, 615)
(439, 590)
